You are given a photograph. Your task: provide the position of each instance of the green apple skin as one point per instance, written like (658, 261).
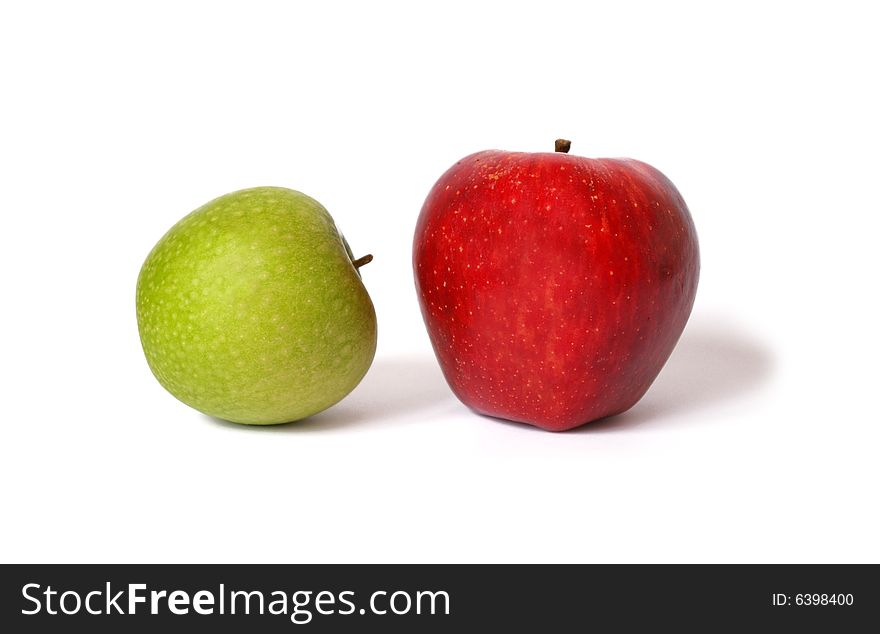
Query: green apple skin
(250, 309)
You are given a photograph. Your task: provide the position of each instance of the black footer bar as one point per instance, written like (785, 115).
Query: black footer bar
(436, 598)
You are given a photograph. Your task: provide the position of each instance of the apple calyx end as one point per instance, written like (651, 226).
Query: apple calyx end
(563, 145)
(362, 260)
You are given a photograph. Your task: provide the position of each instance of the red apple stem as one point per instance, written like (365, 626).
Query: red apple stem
(563, 145)
(361, 261)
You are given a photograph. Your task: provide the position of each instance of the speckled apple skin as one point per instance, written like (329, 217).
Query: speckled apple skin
(250, 310)
(554, 287)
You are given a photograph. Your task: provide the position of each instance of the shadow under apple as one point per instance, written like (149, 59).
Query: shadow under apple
(712, 364)
(395, 389)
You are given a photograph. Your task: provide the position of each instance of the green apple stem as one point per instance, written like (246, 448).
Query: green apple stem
(361, 261)
(563, 145)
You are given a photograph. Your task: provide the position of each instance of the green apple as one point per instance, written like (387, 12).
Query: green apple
(252, 309)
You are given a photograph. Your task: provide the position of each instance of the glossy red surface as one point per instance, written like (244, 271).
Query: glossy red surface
(553, 287)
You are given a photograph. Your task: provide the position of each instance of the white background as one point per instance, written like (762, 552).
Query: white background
(759, 440)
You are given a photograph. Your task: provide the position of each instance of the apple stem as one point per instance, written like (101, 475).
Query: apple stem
(361, 261)
(563, 145)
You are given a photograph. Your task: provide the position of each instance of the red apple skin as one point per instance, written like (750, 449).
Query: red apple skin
(553, 287)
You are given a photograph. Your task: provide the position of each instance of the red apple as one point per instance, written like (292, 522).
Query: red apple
(554, 287)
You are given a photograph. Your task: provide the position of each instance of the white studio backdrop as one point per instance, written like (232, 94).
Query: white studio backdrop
(757, 443)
